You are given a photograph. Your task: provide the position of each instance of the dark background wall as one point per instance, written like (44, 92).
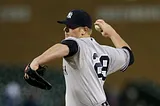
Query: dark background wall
(20, 42)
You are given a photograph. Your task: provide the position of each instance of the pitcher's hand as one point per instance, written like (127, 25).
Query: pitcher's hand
(108, 31)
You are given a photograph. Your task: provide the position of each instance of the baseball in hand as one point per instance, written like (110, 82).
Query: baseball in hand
(98, 28)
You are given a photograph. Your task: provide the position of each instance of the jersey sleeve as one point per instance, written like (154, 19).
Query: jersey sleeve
(119, 59)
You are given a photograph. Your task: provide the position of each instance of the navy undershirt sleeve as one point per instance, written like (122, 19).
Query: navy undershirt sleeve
(72, 45)
(131, 55)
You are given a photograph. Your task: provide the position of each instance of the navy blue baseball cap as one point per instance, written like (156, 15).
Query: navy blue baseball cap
(77, 18)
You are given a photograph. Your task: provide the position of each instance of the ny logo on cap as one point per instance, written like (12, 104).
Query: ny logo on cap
(69, 14)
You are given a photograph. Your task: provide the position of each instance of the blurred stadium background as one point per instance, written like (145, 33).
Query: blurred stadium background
(28, 27)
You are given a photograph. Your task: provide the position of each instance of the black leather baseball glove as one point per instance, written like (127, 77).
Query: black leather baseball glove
(35, 78)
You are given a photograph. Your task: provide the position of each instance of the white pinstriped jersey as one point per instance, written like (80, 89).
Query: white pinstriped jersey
(86, 71)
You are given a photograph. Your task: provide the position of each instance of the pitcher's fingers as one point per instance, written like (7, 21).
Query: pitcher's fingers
(26, 76)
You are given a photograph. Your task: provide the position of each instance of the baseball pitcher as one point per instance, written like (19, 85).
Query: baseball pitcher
(86, 63)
